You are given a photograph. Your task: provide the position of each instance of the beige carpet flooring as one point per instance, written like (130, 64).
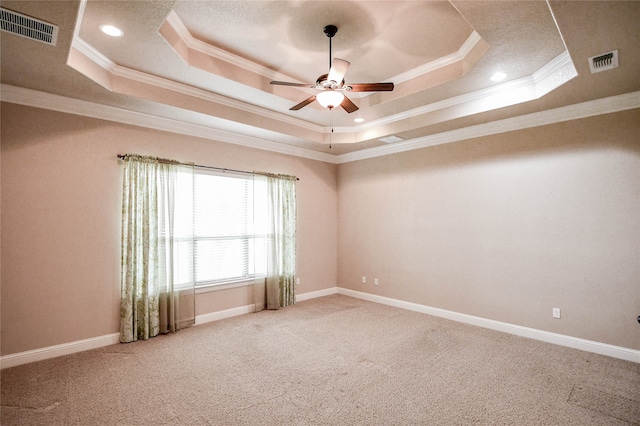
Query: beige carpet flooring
(334, 360)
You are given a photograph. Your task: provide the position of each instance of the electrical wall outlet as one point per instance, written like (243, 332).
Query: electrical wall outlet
(375, 281)
(297, 281)
(556, 312)
(364, 280)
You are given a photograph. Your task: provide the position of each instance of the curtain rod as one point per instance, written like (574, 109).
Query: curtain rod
(123, 156)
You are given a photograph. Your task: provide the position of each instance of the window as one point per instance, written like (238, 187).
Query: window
(230, 227)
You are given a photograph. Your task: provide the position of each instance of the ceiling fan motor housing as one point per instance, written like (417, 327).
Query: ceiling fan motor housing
(323, 82)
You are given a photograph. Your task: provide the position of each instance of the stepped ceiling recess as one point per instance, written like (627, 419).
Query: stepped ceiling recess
(204, 67)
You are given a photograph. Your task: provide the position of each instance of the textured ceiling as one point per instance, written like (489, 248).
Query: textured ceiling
(209, 63)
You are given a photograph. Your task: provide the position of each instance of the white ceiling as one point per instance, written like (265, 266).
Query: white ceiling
(209, 63)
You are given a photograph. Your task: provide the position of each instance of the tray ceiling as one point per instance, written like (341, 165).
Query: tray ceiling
(209, 64)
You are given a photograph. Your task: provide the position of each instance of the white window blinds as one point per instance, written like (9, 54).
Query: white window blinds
(229, 220)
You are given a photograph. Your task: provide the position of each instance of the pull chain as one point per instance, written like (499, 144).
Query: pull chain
(331, 125)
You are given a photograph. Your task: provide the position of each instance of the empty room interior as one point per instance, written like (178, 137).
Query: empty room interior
(468, 203)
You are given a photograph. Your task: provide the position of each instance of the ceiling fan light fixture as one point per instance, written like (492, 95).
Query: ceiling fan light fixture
(329, 98)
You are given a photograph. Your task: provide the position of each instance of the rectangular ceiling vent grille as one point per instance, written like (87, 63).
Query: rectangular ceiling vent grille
(391, 139)
(606, 61)
(26, 26)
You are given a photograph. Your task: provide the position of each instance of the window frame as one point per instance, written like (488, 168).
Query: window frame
(246, 278)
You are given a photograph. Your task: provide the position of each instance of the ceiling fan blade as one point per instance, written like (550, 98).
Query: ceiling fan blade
(348, 106)
(371, 87)
(303, 103)
(338, 69)
(286, 83)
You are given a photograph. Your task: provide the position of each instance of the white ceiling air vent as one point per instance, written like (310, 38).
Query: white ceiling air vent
(26, 26)
(606, 61)
(391, 139)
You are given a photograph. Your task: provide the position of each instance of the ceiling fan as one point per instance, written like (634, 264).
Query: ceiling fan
(332, 85)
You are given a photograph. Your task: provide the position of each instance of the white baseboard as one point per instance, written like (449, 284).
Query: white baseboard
(242, 310)
(34, 355)
(532, 333)
(314, 294)
(632, 355)
(40, 354)
(227, 313)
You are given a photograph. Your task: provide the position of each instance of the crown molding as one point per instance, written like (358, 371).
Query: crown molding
(557, 115)
(457, 56)
(148, 79)
(176, 24)
(549, 77)
(36, 99)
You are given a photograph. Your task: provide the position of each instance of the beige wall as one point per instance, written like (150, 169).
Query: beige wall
(61, 189)
(505, 227)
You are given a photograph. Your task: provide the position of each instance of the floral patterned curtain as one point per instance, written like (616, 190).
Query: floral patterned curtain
(278, 289)
(157, 286)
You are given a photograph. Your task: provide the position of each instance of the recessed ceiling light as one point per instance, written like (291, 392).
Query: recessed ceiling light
(499, 76)
(358, 120)
(112, 31)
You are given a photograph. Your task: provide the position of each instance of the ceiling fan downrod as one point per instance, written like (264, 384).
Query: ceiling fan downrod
(330, 31)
